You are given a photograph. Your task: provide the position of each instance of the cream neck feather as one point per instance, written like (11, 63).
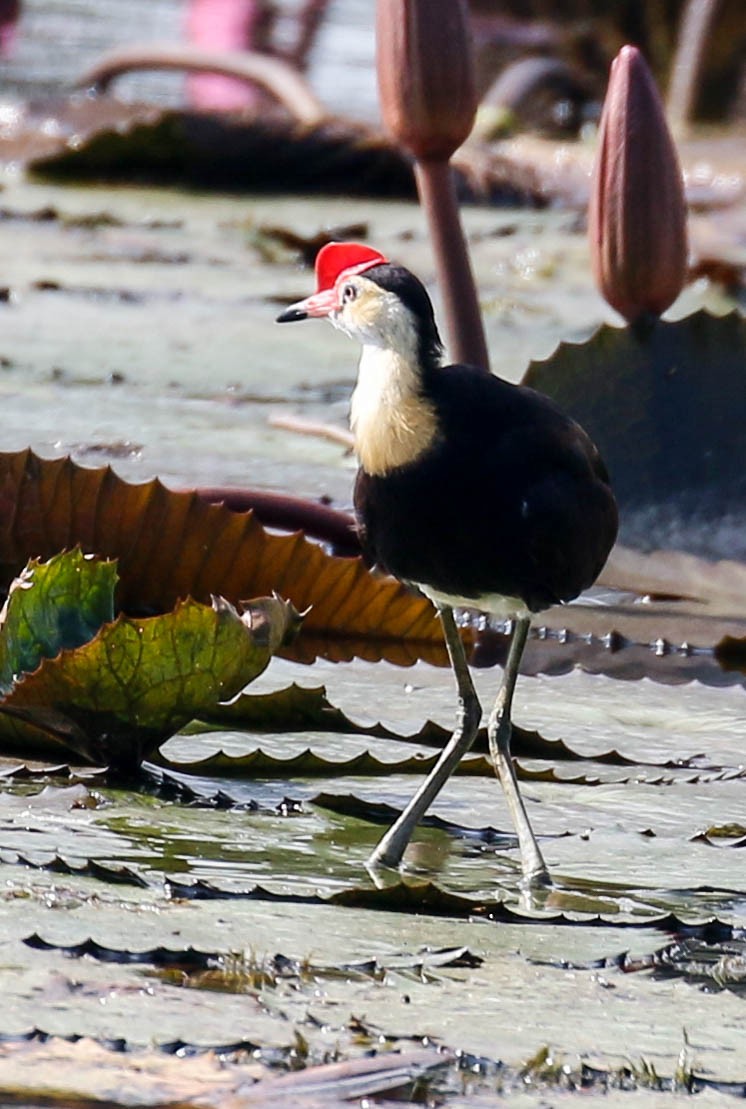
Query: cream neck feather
(392, 423)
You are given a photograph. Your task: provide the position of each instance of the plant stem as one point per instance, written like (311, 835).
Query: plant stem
(437, 191)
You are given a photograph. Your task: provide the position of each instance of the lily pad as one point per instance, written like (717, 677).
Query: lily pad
(52, 606)
(667, 408)
(170, 545)
(134, 682)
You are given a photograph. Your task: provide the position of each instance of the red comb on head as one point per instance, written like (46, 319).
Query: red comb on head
(336, 258)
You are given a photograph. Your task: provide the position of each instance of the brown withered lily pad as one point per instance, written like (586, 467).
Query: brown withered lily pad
(171, 545)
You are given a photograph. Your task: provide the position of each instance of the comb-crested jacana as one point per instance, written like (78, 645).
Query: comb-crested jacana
(481, 493)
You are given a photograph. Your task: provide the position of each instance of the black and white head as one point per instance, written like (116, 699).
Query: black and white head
(387, 309)
(372, 300)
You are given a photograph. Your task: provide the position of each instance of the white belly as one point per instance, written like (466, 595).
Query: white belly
(505, 608)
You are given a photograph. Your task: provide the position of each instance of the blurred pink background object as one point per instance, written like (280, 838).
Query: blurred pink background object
(221, 25)
(9, 13)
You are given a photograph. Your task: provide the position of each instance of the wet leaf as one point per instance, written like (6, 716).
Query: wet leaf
(293, 709)
(242, 972)
(187, 958)
(234, 968)
(427, 897)
(120, 1044)
(165, 787)
(300, 708)
(711, 966)
(307, 764)
(712, 957)
(116, 875)
(667, 409)
(171, 545)
(202, 890)
(117, 696)
(21, 772)
(725, 831)
(53, 606)
(733, 834)
(50, 799)
(380, 813)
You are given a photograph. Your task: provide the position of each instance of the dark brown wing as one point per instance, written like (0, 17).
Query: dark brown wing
(513, 499)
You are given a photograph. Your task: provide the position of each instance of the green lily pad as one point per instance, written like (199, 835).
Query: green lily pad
(134, 682)
(53, 606)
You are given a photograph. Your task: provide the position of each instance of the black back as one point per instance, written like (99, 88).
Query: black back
(512, 499)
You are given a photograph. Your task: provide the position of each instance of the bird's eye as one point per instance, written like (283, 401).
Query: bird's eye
(349, 292)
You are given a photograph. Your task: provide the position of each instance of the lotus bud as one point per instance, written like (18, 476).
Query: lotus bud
(426, 74)
(221, 25)
(637, 214)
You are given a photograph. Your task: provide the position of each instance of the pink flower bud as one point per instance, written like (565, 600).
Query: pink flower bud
(637, 213)
(426, 74)
(221, 25)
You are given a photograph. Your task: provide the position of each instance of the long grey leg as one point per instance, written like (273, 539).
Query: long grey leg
(499, 730)
(393, 844)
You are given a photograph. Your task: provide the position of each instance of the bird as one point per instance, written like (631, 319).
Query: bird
(481, 493)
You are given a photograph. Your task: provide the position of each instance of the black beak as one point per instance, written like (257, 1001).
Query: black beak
(290, 315)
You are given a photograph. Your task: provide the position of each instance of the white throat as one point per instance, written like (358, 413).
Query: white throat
(392, 423)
